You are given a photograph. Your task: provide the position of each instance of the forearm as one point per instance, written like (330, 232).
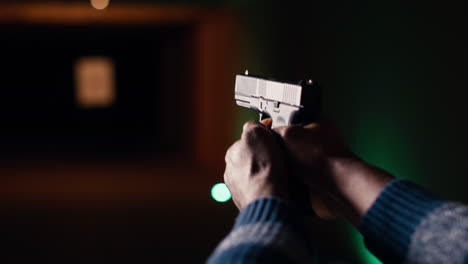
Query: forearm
(356, 185)
(399, 220)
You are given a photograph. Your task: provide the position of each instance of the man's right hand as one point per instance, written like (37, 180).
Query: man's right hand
(339, 182)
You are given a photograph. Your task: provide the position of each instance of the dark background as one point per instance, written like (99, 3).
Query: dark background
(394, 80)
(41, 117)
(394, 76)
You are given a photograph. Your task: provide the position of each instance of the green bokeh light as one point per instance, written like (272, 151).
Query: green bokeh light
(358, 243)
(220, 193)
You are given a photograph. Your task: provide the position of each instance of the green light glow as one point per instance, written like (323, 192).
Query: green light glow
(220, 193)
(358, 244)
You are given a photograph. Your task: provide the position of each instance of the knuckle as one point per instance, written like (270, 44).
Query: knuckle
(231, 151)
(290, 133)
(254, 129)
(226, 157)
(249, 124)
(226, 177)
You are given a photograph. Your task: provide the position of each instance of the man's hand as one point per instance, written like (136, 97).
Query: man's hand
(340, 183)
(312, 147)
(256, 165)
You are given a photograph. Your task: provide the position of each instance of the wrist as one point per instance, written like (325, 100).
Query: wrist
(356, 185)
(260, 210)
(265, 188)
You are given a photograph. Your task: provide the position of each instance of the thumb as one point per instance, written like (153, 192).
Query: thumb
(321, 206)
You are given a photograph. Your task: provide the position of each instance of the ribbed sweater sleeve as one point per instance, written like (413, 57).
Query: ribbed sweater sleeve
(268, 230)
(407, 224)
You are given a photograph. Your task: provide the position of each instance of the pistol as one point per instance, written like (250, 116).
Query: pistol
(284, 103)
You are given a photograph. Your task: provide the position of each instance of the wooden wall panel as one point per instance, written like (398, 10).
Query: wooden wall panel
(216, 71)
(83, 13)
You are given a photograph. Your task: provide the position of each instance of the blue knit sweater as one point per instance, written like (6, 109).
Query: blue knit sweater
(404, 225)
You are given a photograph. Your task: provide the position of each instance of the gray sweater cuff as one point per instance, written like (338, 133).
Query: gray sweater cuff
(391, 221)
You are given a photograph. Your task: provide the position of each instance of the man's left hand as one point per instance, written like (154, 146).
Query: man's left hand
(256, 165)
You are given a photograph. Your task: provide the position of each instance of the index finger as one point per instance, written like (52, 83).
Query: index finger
(311, 126)
(268, 122)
